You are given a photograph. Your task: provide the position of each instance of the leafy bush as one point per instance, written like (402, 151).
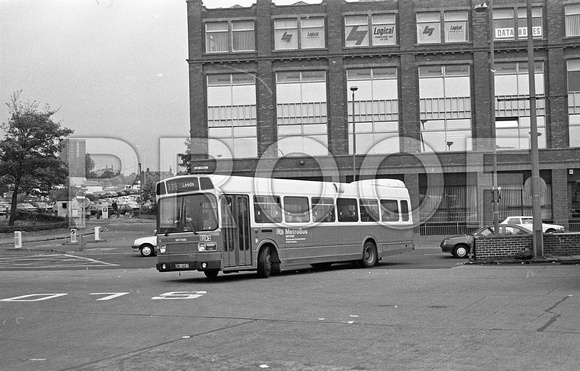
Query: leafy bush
(34, 221)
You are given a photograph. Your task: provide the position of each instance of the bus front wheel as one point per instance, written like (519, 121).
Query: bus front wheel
(370, 256)
(265, 263)
(211, 273)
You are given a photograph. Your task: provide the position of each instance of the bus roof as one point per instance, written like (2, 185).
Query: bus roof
(371, 188)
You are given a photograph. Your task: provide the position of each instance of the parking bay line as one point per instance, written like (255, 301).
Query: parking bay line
(32, 261)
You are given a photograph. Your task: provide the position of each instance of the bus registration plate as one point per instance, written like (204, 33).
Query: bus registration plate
(181, 266)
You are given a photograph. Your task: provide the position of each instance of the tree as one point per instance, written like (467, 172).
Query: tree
(186, 157)
(89, 166)
(29, 151)
(148, 190)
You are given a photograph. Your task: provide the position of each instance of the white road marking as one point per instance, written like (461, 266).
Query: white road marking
(51, 261)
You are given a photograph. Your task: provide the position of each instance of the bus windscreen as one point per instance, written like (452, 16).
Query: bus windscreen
(188, 213)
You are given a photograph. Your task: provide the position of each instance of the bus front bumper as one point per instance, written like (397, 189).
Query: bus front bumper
(189, 263)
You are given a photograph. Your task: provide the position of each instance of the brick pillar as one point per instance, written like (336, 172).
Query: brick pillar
(409, 119)
(337, 110)
(266, 108)
(560, 197)
(412, 184)
(197, 97)
(336, 100)
(556, 109)
(555, 71)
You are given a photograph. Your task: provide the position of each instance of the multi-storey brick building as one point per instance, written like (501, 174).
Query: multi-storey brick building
(272, 89)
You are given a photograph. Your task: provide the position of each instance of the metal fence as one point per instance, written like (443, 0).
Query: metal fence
(441, 229)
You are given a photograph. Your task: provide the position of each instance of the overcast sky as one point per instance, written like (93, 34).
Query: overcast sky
(114, 69)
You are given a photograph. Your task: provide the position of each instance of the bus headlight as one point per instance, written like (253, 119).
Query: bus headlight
(209, 246)
(162, 249)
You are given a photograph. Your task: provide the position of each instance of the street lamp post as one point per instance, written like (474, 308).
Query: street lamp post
(353, 89)
(495, 200)
(538, 243)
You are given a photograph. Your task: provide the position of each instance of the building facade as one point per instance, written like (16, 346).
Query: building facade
(279, 90)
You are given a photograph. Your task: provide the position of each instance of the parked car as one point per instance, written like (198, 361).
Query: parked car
(26, 206)
(4, 207)
(145, 245)
(460, 246)
(528, 221)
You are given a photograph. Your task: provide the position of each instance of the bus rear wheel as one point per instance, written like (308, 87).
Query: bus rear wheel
(265, 263)
(370, 257)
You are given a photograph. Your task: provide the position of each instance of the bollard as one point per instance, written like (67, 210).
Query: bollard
(73, 236)
(17, 239)
(97, 233)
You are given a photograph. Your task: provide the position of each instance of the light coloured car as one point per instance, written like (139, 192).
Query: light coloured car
(528, 222)
(27, 206)
(145, 245)
(4, 207)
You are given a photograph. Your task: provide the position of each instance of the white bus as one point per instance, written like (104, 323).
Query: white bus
(214, 223)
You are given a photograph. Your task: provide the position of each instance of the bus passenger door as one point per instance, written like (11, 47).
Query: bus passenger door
(236, 231)
(244, 238)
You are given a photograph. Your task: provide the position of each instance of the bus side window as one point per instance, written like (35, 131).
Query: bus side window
(267, 209)
(390, 210)
(347, 209)
(369, 210)
(405, 210)
(296, 209)
(323, 210)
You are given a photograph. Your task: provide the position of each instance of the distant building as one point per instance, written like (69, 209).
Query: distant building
(276, 82)
(74, 154)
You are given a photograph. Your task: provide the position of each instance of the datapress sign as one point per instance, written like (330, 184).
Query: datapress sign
(509, 33)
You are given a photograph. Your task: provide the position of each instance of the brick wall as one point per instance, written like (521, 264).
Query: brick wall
(557, 244)
(499, 247)
(562, 244)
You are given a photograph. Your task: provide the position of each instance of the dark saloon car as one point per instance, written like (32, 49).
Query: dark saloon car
(460, 246)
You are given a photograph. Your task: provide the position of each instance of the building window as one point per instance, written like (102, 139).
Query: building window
(455, 27)
(511, 24)
(301, 33)
(374, 30)
(301, 112)
(573, 20)
(376, 109)
(232, 36)
(456, 203)
(574, 101)
(445, 107)
(430, 30)
(231, 115)
(513, 105)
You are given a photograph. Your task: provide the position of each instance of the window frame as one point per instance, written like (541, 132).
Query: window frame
(302, 117)
(271, 214)
(327, 208)
(229, 32)
(513, 17)
(232, 123)
(352, 32)
(296, 209)
(348, 210)
(299, 32)
(446, 116)
(442, 26)
(572, 13)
